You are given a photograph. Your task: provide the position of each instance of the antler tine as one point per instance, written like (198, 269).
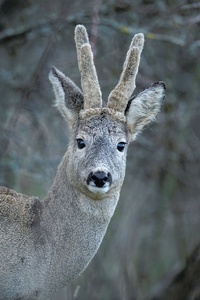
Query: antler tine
(89, 79)
(137, 41)
(81, 37)
(120, 95)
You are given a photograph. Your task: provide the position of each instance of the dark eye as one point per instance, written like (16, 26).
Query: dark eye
(80, 143)
(121, 146)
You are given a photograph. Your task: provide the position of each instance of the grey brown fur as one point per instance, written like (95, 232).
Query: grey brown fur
(45, 244)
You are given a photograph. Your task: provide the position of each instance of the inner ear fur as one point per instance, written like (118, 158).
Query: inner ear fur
(143, 108)
(68, 97)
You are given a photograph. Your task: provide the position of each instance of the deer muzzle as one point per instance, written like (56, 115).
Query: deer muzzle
(99, 181)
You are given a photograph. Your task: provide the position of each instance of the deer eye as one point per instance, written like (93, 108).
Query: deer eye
(80, 143)
(121, 146)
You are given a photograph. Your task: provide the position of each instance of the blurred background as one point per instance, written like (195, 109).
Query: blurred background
(157, 221)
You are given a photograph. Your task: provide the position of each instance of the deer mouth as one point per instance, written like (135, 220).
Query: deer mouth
(97, 190)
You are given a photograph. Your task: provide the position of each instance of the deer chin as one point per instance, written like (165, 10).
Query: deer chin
(98, 190)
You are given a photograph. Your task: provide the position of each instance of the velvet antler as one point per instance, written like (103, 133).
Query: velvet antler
(89, 80)
(119, 97)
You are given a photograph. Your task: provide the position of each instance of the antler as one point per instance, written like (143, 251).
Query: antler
(89, 80)
(119, 97)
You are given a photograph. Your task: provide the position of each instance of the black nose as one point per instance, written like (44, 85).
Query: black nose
(99, 178)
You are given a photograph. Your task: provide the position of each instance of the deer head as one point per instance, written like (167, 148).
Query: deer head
(101, 134)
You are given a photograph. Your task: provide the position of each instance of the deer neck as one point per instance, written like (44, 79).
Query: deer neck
(74, 224)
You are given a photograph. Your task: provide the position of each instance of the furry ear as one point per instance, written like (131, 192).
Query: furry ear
(142, 109)
(69, 98)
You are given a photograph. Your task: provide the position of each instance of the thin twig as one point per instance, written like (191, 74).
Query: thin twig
(23, 30)
(24, 97)
(166, 38)
(95, 23)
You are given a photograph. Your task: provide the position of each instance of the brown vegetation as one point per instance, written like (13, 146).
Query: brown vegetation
(157, 221)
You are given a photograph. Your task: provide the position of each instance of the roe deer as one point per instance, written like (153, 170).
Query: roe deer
(45, 244)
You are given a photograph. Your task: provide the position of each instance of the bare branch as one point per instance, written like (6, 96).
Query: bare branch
(166, 38)
(95, 23)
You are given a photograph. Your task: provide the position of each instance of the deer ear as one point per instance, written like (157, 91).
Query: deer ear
(69, 98)
(142, 109)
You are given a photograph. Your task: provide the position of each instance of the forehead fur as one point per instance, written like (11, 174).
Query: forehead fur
(104, 111)
(102, 119)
